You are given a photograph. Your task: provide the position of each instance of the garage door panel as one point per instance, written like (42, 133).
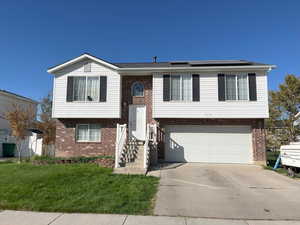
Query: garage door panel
(216, 144)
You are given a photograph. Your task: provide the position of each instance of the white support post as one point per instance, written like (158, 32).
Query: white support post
(117, 147)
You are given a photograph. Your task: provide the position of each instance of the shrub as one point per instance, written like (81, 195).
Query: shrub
(104, 161)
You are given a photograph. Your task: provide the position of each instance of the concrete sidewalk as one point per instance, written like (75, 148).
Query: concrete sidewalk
(8, 217)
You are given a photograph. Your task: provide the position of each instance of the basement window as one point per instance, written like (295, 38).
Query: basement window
(88, 133)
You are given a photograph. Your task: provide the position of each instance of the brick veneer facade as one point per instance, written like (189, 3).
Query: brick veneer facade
(65, 132)
(66, 145)
(127, 98)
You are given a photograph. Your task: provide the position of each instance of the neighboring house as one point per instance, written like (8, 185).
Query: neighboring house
(205, 111)
(7, 101)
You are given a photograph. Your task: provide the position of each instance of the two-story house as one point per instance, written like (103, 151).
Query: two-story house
(204, 111)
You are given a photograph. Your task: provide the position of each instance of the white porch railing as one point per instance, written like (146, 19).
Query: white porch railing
(121, 139)
(151, 135)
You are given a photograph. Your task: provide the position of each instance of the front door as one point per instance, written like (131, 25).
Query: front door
(137, 121)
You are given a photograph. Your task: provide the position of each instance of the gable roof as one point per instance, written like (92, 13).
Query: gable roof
(79, 58)
(18, 96)
(201, 64)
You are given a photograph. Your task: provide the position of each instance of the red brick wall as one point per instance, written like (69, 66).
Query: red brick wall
(257, 125)
(66, 145)
(127, 98)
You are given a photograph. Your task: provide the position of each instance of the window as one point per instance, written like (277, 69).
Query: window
(236, 87)
(137, 89)
(86, 89)
(181, 87)
(79, 88)
(88, 132)
(93, 89)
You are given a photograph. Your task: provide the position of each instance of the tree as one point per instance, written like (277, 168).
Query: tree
(284, 104)
(46, 123)
(20, 119)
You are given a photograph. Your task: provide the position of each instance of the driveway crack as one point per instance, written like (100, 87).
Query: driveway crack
(125, 219)
(55, 218)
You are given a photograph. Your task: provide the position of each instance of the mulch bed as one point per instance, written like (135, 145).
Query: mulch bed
(103, 162)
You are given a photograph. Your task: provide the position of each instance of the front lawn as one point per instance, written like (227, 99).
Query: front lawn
(74, 188)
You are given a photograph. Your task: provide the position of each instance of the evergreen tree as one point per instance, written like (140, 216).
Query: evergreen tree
(284, 104)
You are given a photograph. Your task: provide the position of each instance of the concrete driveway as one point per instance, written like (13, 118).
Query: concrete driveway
(226, 191)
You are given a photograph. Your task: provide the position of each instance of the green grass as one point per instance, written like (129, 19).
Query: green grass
(74, 188)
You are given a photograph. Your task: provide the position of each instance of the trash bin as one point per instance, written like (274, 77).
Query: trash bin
(8, 149)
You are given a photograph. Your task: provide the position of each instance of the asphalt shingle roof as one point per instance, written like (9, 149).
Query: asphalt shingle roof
(20, 96)
(195, 63)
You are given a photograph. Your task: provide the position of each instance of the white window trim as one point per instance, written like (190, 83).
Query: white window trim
(86, 78)
(89, 130)
(181, 89)
(236, 89)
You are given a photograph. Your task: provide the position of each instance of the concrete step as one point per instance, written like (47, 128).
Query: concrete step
(125, 170)
(135, 164)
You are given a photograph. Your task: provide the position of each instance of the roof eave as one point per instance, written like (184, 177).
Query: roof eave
(79, 58)
(19, 97)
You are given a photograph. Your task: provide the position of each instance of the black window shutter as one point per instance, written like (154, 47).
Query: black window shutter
(221, 87)
(196, 88)
(103, 88)
(252, 87)
(166, 88)
(70, 89)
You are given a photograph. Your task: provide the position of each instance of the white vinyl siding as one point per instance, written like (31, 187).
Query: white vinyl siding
(88, 133)
(6, 103)
(88, 67)
(91, 109)
(210, 106)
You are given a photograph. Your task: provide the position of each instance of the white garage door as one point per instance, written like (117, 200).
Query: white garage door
(213, 144)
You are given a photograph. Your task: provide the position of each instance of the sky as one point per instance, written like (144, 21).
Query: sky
(35, 35)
